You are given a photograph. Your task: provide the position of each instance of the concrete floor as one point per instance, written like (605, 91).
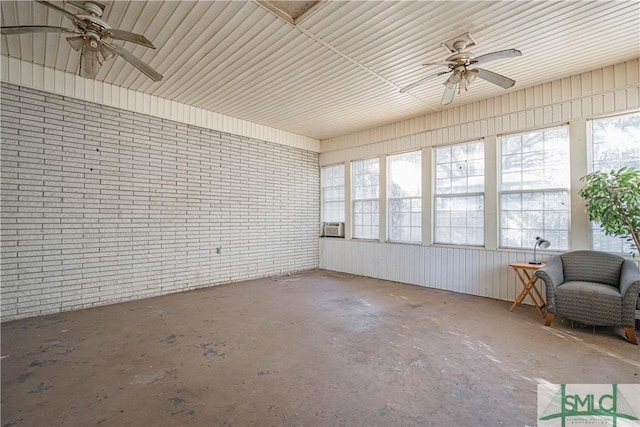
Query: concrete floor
(314, 349)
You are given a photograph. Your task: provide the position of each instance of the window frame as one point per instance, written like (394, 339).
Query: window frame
(411, 198)
(593, 228)
(436, 196)
(566, 191)
(323, 188)
(374, 218)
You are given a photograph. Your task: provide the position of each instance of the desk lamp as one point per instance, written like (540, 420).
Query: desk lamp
(544, 244)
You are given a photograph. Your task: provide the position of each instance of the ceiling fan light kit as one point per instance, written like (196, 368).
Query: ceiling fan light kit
(458, 63)
(92, 38)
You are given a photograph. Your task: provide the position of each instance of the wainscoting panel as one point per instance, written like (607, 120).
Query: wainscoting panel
(466, 270)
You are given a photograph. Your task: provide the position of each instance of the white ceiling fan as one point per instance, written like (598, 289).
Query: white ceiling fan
(462, 76)
(92, 38)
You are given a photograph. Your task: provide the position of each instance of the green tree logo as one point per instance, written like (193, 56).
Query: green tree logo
(588, 406)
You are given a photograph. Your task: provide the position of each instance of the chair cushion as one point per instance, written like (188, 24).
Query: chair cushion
(589, 302)
(592, 266)
(598, 290)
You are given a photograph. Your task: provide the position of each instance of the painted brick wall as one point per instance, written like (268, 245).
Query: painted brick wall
(101, 205)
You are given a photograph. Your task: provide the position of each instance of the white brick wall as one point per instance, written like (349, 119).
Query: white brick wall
(101, 205)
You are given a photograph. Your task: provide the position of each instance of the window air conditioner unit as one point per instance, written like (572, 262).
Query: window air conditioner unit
(333, 229)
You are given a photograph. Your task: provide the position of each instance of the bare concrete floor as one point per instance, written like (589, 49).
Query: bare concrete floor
(314, 349)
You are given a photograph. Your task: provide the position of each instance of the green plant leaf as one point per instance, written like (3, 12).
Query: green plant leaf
(613, 201)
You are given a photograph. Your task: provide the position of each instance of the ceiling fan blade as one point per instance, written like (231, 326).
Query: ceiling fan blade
(419, 82)
(89, 61)
(495, 78)
(58, 8)
(127, 36)
(135, 61)
(449, 93)
(27, 29)
(445, 63)
(509, 53)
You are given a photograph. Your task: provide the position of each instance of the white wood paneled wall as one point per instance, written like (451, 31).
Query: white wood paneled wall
(465, 270)
(39, 77)
(604, 91)
(474, 271)
(477, 271)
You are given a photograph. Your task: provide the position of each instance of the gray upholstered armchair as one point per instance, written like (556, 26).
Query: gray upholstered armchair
(594, 288)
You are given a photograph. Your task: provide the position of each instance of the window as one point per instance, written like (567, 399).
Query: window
(534, 190)
(405, 197)
(615, 142)
(365, 199)
(333, 193)
(459, 194)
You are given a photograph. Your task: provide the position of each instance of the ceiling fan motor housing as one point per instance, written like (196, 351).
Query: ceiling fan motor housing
(93, 8)
(461, 58)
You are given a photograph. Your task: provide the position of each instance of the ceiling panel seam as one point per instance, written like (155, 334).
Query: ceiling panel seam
(327, 45)
(357, 63)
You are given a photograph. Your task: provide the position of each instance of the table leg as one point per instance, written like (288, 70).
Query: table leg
(535, 288)
(522, 293)
(528, 281)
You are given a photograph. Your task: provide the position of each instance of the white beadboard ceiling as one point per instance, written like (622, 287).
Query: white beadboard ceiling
(339, 68)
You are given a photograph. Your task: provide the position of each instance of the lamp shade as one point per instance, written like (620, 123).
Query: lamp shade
(542, 243)
(470, 76)
(454, 78)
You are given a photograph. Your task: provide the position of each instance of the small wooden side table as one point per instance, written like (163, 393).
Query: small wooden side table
(527, 277)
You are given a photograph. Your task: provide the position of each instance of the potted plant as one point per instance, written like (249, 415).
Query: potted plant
(613, 201)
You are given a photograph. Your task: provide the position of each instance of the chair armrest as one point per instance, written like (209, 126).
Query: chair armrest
(552, 273)
(629, 274)
(629, 288)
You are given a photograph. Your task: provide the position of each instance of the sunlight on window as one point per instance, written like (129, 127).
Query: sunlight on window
(534, 196)
(459, 194)
(406, 178)
(405, 197)
(366, 193)
(333, 193)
